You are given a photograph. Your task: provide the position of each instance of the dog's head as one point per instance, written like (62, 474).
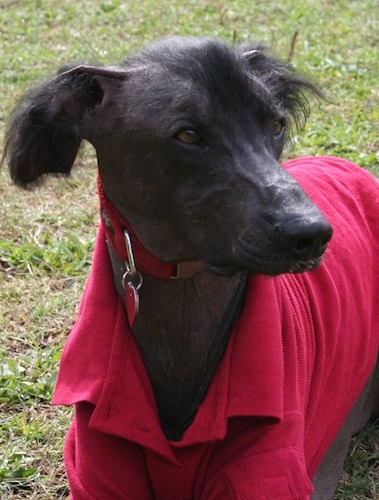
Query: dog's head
(188, 135)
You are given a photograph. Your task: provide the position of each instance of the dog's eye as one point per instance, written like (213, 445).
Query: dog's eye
(189, 136)
(279, 126)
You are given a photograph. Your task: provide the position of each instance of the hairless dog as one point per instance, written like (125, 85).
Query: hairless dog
(231, 297)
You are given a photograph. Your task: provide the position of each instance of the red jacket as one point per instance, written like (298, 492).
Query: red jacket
(300, 354)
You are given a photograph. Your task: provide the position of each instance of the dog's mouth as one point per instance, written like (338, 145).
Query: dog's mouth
(276, 254)
(292, 244)
(270, 265)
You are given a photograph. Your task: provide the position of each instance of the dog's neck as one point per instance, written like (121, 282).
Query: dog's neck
(115, 227)
(137, 259)
(183, 326)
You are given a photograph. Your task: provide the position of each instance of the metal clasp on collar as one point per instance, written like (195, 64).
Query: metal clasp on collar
(131, 274)
(131, 281)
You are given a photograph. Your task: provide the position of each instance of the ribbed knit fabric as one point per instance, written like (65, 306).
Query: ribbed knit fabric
(300, 354)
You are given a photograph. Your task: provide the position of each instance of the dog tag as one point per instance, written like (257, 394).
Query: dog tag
(131, 302)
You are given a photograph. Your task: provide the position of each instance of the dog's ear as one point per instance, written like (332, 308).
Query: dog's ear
(290, 90)
(49, 123)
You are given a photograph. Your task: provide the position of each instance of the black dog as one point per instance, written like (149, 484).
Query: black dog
(188, 135)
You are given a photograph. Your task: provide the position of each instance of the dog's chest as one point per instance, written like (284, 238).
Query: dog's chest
(182, 336)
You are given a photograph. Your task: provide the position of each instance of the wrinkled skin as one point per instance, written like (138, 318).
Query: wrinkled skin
(227, 201)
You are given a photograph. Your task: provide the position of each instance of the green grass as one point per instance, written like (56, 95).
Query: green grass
(46, 236)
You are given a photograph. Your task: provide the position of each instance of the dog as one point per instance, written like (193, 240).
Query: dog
(227, 338)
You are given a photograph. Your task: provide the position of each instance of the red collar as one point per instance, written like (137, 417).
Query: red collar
(138, 259)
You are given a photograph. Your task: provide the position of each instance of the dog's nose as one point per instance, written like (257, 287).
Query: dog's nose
(305, 238)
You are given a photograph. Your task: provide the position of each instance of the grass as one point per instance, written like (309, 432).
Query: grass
(46, 236)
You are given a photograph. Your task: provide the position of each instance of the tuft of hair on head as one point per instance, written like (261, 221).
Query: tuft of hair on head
(290, 89)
